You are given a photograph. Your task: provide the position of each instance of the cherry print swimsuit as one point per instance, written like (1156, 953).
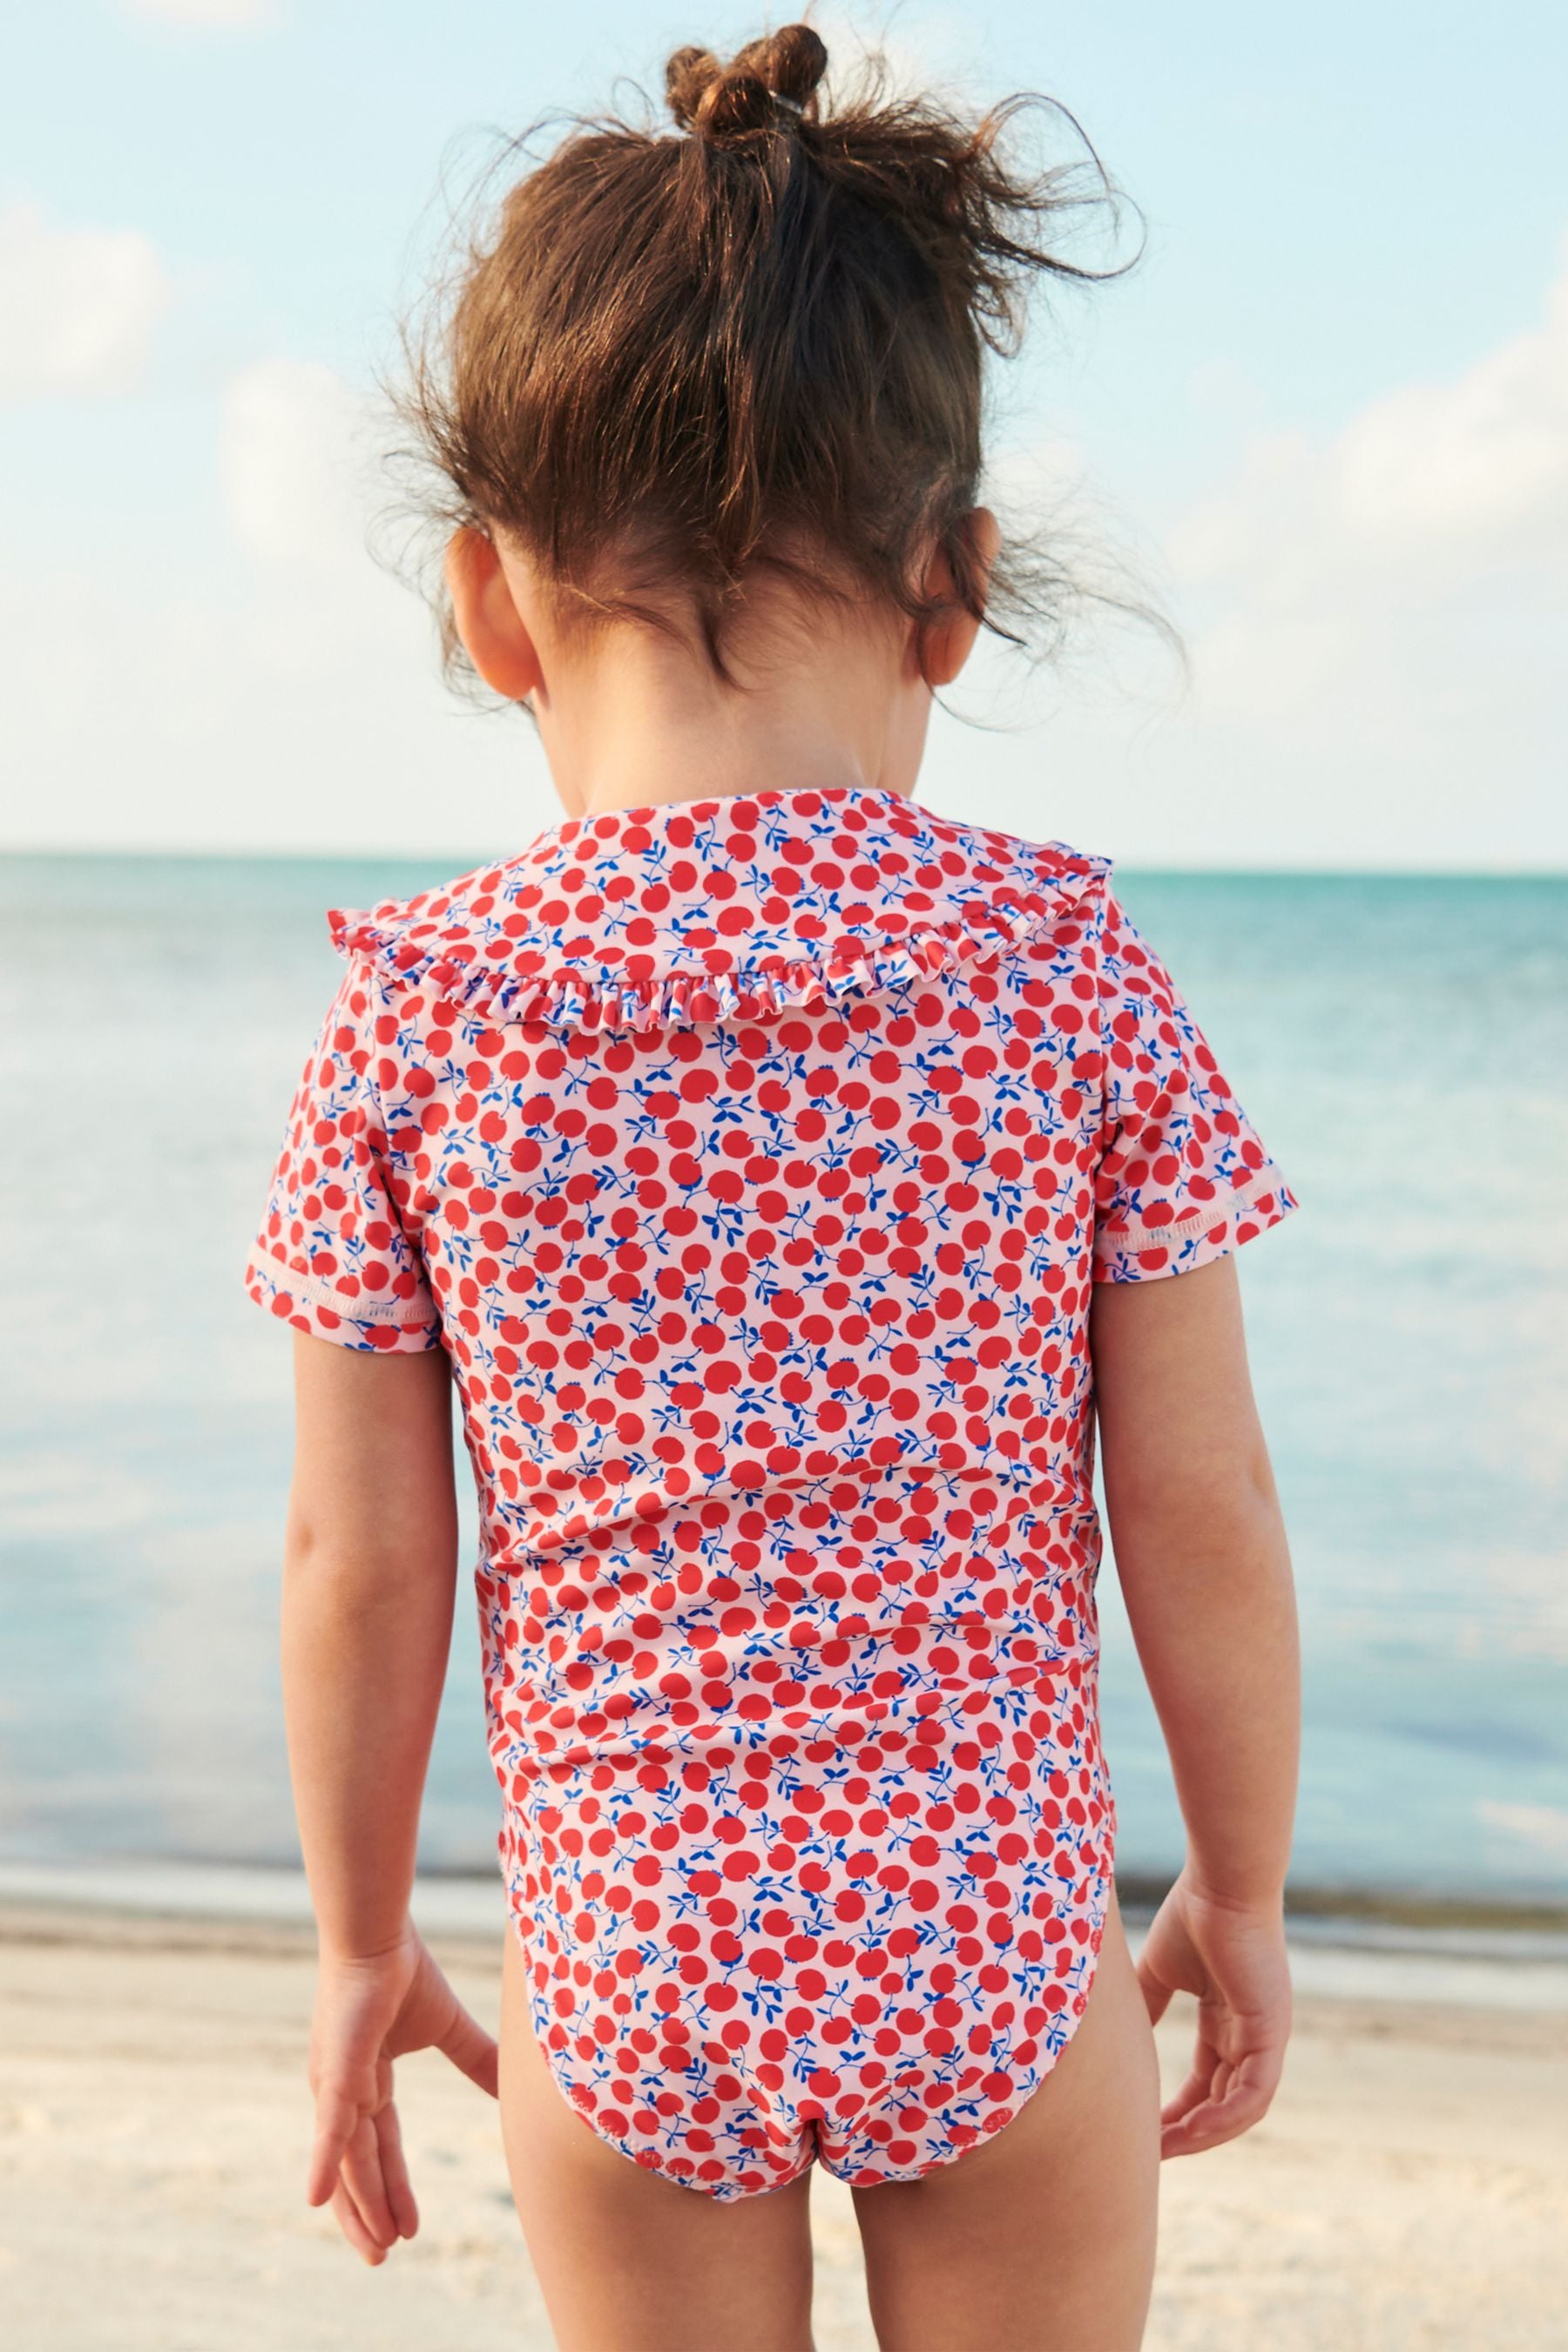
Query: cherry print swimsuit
(753, 1159)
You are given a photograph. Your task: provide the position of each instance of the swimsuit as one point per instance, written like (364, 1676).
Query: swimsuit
(753, 1159)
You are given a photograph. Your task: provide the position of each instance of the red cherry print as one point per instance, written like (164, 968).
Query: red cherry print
(753, 1160)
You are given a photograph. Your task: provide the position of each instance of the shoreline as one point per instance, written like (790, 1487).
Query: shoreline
(264, 1889)
(1477, 1958)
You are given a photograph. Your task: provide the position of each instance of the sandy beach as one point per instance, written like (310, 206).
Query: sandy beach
(1409, 2190)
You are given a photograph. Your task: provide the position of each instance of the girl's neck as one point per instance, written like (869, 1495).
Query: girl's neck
(637, 722)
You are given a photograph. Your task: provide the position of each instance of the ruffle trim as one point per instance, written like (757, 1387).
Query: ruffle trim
(543, 986)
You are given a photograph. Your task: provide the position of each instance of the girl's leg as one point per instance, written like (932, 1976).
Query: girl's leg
(1041, 2240)
(627, 2262)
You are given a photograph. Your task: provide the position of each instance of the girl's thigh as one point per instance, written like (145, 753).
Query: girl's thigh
(1042, 2239)
(627, 2262)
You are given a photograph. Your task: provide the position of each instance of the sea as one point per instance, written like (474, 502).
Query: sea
(1402, 1043)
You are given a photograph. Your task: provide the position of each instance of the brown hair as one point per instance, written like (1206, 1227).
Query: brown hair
(674, 360)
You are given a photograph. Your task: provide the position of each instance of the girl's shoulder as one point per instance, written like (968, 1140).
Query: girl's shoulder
(642, 918)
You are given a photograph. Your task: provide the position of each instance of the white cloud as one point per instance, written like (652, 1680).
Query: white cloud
(298, 448)
(1424, 484)
(79, 306)
(1473, 467)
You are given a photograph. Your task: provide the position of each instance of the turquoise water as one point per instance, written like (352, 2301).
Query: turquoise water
(1402, 1043)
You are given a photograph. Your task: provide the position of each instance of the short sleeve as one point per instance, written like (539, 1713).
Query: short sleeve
(332, 1255)
(1181, 1175)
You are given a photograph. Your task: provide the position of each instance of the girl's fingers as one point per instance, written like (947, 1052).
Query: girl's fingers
(1201, 2082)
(354, 2228)
(1165, 1964)
(360, 2176)
(1241, 2097)
(394, 2173)
(1199, 2085)
(470, 2048)
(336, 2117)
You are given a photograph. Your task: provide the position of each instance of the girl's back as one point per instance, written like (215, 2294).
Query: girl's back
(753, 1159)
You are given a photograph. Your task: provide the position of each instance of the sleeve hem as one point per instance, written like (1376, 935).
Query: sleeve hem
(1138, 1254)
(412, 1313)
(1263, 1181)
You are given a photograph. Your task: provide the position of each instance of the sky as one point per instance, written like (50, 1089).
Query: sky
(1322, 424)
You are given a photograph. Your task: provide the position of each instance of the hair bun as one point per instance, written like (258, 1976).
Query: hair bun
(719, 102)
(687, 77)
(796, 61)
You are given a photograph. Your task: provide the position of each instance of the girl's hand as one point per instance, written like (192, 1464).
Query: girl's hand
(1232, 1955)
(368, 2011)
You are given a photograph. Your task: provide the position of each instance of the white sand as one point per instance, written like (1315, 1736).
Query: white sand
(1409, 2190)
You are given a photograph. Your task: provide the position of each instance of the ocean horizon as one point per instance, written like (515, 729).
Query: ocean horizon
(1400, 1040)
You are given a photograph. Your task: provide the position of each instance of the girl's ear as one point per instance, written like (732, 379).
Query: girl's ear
(499, 641)
(949, 640)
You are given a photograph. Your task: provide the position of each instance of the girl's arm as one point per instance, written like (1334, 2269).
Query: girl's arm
(369, 1575)
(1205, 1570)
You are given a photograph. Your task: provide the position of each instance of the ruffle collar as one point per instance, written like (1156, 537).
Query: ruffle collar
(712, 910)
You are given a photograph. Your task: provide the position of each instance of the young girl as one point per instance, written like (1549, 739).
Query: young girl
(792, 1181)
